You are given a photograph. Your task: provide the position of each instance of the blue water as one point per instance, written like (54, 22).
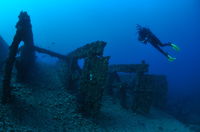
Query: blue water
(63, 25)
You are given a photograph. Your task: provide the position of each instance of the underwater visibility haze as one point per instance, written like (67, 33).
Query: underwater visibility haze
(65, 25)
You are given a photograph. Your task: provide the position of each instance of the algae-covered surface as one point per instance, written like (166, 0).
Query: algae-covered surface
(45, 106)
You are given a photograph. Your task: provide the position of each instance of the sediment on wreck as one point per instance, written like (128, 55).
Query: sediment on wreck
(92, 85)
(27, 58)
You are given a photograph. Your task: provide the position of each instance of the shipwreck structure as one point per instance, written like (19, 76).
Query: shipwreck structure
(25, 62)
(146, 90)
(89, 83)
(92, 85)
(139, 70)
(3, 52)
(73, 70)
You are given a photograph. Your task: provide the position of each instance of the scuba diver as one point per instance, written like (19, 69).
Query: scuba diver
(146, 36)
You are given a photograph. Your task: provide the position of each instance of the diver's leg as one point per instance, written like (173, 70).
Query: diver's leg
(164, 53)
(161, 51)
(175, 47)
(166, 44)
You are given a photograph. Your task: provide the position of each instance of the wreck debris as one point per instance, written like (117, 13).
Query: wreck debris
(92, 85)
(27, 59)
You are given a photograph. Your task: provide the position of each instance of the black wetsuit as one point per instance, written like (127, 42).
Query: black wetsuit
(146, 36)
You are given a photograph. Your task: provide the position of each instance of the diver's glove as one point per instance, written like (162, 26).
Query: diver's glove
(170, 58)
(175, 47)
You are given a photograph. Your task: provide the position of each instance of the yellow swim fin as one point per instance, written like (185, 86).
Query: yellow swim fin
(170, 58)
(175, 47)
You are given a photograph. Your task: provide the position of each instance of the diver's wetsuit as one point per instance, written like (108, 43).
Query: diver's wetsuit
(145, 36)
